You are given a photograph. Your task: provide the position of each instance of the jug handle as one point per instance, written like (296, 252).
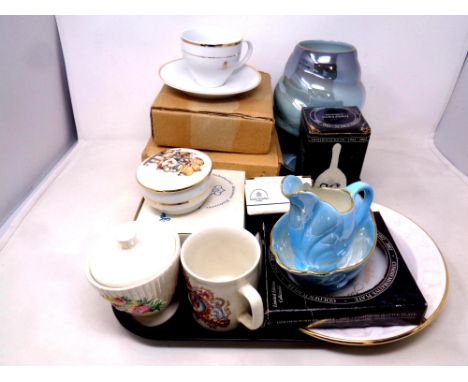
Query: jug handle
(357, 187)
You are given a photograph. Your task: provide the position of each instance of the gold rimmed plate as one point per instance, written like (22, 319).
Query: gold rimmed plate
(428, 268)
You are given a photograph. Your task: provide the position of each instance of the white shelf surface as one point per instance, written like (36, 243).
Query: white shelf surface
(49, 314)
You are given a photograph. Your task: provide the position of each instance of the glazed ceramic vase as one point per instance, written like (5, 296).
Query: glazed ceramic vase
(318, 73)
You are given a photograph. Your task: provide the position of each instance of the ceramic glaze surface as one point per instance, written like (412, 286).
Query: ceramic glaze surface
(176, 181)
(176, 74)
(318, 73)
(137, 269)
(327, 235)
(174, 170)
(322, 222)
(351, 264)
(222, 269)
(120, 261)
(427, 266)
(212, 55)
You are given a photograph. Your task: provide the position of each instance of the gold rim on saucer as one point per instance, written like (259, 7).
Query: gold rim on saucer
(200, 91)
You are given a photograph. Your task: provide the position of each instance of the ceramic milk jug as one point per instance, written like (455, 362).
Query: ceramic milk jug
(323, 221)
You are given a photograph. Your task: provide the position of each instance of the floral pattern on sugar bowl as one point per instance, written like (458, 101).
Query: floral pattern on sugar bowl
(140, 306)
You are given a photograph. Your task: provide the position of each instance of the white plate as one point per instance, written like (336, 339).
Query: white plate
(176, 75)
(428, 269)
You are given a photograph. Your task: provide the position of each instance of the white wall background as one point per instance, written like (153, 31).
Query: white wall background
(409, 64)
(36, 121)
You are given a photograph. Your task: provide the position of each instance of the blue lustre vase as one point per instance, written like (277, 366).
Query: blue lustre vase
(318, 73)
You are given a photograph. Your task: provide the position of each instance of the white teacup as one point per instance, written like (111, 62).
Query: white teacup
(222, 267)
(212, 54)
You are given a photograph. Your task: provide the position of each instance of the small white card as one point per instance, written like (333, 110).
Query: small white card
(263, 195)
(224, 207)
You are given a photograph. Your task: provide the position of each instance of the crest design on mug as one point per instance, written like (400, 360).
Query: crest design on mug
(213, 311)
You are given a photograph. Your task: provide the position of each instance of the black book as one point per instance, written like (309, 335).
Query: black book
(384, 293)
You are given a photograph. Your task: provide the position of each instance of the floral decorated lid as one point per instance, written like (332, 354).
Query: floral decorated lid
(132, 254)
(174, 170)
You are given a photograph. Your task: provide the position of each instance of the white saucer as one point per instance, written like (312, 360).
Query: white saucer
(427, 266)
(176, 75)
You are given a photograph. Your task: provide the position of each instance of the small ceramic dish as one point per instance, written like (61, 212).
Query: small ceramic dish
(176, 181)
(357, 255)
(135, 268)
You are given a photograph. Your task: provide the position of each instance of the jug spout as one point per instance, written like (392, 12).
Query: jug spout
(302, 203)
(292, 185)
(311, 224)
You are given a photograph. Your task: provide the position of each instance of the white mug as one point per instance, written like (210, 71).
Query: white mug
(221, 267)
(212, 55)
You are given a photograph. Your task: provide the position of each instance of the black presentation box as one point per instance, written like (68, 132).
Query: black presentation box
(332, 145)
(392, 298)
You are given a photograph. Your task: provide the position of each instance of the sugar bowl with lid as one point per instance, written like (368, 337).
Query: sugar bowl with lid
(176, 181)
(135, 267)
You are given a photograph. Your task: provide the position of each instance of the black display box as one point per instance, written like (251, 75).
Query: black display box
(332, 145)
(394, 300)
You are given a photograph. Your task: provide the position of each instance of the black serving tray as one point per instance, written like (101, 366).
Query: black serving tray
(182, 327)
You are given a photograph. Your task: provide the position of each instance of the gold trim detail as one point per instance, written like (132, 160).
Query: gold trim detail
(309, 188)
(409, 333)
(178, 190)
(220, 58)
(314, 273)
(203, 194)
(135, 216)
(208, 92)
(210, 45)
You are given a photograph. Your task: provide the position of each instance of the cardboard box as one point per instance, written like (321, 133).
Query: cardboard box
(240, 124)
(384, 294)
(223, 207)
(253, 164)
(333, 144)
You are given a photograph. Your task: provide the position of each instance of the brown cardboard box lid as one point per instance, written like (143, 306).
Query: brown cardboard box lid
(253, 164)
(255, 104)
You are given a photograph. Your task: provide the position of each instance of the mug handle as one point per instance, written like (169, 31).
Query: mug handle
(255, 320)
(355, 188)
(246, 56)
